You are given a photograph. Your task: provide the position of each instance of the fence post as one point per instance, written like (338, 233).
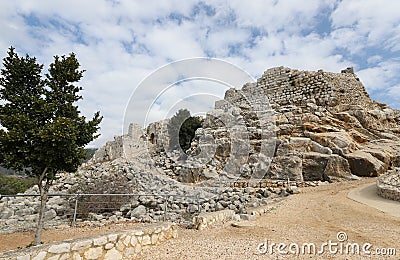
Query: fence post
(75, 210)
(198, 202)
(165, 207)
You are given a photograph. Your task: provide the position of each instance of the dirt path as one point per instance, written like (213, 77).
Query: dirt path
(22, 239)
(315, 215)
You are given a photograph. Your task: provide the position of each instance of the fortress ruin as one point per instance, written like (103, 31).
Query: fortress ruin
(289, 124)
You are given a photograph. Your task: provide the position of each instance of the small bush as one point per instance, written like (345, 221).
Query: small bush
(111, 184)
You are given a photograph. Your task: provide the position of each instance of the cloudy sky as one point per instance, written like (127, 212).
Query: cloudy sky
(120, 43)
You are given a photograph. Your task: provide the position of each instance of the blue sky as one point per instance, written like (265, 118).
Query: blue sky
(119, 43)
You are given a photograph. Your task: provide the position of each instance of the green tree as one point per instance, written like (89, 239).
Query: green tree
(181, 129)
(42, 131)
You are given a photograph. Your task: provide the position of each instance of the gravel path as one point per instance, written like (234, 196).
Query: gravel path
(314, 216)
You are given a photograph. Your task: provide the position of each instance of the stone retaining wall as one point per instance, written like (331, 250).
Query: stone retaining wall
(389, 186)
(119, 245)
(204, 220)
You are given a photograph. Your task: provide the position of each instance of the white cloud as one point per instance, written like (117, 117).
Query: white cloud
(119, 43)
(372, 22)
(380, 77)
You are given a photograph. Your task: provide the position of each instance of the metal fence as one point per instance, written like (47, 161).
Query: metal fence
(79, 207)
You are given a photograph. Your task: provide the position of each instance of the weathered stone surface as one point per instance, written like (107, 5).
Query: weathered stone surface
(112, 237)
(388, 185)
(146, 240)
(40, 256)
(94, 253)
(54, 257)
(138, 211)
(76, 256)
(99, 241)
(113, 254)
(81, 245)
(284, 167)
(6, 213)
(321, 167)
(65, 256)
(338, 166)
(60, 248)
(108, 246)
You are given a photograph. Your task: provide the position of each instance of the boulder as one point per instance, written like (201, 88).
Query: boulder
(339, 167)
(363, 164)
(138, 211)
(284, 167)
(321, 167)
(313, 167)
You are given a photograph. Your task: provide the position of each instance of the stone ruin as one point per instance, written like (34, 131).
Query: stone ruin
(290, 124)
(289, 129)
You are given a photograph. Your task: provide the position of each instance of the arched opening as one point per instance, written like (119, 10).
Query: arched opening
(152, 138)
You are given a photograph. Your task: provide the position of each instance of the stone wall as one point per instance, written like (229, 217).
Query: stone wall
(154, 138)
(285, 86)
(119, 245)
(389, 186)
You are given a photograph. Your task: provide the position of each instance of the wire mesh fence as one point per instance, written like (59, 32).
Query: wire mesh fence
(74, 208)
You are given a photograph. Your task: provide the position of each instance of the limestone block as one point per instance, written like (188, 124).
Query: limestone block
(40, 256)
(138, 248)
(94, 253)
(99, 241)
(205, 219)
(129, 253)
(364, 164)
(112, 237)
(134, 241)
(76, 256)
(127, 240)
(109, 246)
(120, 246)
(65, 256)
(54, 257)
(60, 248)
(24, 257)
(81, 245)
(146, 240)
(154, 239)
(113, 254)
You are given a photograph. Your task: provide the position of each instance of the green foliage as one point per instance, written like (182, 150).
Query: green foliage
(182, 128)
(10, 184)
(89, 153)
(44, 131)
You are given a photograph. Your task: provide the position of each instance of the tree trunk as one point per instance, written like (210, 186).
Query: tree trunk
(43, 200)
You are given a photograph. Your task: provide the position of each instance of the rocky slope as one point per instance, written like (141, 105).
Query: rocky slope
(293, 124)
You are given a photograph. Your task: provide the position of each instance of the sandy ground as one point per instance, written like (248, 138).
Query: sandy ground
(315, 215)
